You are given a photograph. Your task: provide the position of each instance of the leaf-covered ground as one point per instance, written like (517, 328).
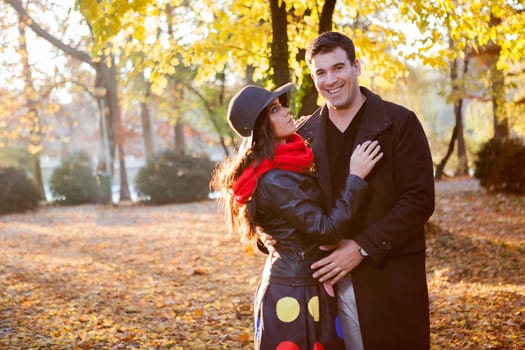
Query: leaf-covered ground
(169, 277)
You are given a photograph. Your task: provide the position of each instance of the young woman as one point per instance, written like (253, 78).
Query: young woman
(270, 186)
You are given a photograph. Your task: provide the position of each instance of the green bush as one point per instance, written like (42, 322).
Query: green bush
(172, 178)
(73, 182)
(500, 166)
(19, 193)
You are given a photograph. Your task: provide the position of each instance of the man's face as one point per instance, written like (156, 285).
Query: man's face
(335, 78)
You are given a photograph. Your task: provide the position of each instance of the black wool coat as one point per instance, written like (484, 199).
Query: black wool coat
(390, 285)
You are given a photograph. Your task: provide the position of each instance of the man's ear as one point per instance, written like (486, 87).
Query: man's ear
(357, 65)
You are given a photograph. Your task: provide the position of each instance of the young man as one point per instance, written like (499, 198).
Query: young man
(380, 266)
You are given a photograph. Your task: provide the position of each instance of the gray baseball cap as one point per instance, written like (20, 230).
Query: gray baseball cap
(248, 103)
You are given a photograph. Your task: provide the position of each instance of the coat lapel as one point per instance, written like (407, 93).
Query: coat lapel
(321, 155)
(375, 119)
(313, 130)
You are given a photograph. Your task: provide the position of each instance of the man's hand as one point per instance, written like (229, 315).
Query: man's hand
(340, 262)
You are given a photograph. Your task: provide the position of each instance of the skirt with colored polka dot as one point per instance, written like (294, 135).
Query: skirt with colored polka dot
(296, 318)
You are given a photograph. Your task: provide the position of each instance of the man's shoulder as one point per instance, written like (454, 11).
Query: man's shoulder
(306, 124)
(307, 119)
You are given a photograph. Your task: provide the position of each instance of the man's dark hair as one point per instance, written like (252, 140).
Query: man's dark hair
(329, 41)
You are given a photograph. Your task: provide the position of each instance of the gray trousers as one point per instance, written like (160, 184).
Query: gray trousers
(348, 314)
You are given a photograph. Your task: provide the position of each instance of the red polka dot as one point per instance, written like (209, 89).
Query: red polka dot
(287, 345)
(318, 346)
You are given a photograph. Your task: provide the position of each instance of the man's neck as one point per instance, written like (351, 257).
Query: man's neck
(342, 118)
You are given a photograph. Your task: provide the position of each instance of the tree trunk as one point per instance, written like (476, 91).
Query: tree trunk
(327, 14)
(441, 166)
(124, 185)
(308, 102)
(178, 95)
(147, 133)
(308, 96)
(212, 111)
(458, 86)
(106, 75)
(279, 48)
(248, 75)
(180, 142)
(462, 167)
(145, 120)
(106, 78)
(33, 118)
(501, 126)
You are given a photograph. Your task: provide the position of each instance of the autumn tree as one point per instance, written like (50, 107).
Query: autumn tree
(25, 123)
(106, 77)
(457, 33)
(218, 45)
(32, 116)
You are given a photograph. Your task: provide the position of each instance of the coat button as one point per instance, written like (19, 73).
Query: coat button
(383, 243)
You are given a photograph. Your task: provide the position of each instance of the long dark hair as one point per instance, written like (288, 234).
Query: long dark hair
(240, 218)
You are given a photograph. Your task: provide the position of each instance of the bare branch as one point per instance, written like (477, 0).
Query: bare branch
(29, 21)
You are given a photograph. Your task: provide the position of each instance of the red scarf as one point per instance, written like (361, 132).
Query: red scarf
(294, 155)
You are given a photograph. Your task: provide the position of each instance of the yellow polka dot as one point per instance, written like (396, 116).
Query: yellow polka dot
(287, 309)
(313, 307)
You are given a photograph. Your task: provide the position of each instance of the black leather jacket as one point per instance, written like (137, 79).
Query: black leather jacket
(289, 208)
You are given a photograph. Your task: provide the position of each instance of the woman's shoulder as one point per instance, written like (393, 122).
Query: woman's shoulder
(280, 177)
(282, 181)
(283, 187)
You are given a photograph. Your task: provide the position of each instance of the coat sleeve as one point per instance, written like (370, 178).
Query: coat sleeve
(414, 188)
(282, 194)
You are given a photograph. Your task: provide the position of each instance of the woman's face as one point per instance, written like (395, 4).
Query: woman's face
(281, 119)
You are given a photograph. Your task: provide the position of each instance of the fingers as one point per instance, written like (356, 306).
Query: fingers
(320, 263)
(338, 277)
(370, 146)
(327, 272)
(370, 151)
(328, 247)
(376, 150)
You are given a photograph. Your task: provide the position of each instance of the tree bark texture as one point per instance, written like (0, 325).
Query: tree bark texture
(33, 117)
(279, 49)
(308, 98)
(441, 166)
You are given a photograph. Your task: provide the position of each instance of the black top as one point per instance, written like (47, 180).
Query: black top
(340, 147)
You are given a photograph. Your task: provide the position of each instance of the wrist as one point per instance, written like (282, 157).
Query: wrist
(363, 252)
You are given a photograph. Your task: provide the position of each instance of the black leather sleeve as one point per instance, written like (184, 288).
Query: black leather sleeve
(288, 196)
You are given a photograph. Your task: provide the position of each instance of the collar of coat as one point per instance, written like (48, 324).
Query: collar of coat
(374, 122)
(313, 129)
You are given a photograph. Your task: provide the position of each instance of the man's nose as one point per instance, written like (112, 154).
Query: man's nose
(331, 77)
